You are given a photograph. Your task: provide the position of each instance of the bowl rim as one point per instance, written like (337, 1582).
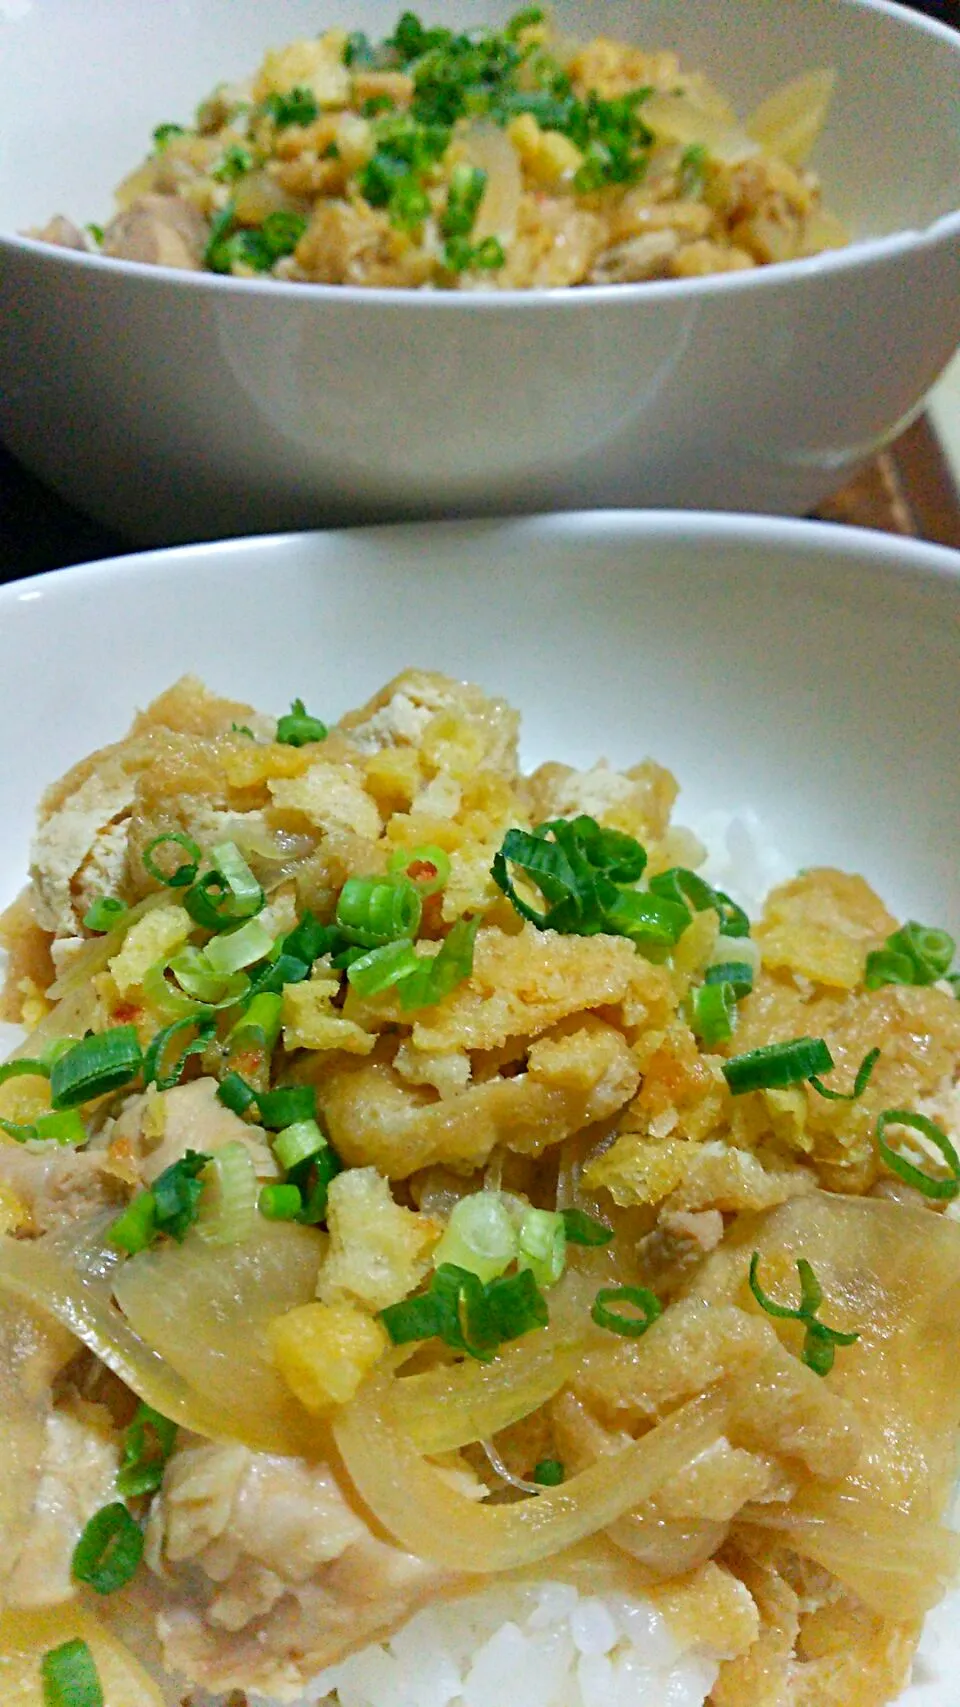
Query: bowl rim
(904, 559)
(861, 253)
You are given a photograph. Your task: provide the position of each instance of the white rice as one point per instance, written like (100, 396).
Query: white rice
(529, 1645)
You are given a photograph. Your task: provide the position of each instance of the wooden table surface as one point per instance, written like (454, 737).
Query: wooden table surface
(908, 489)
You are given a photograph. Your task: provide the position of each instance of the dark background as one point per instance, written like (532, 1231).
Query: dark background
(38, 531)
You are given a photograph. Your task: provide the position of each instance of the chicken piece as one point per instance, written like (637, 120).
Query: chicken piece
(59, 1186)
(63, 234)
(158, 1128)
(78, 1473)
(165, 231)
(268, 1574)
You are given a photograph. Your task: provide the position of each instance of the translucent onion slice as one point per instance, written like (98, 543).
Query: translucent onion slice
(445, 1408)
(677, 118)
(95, 954)
(789, 121)
(26, 1636)
(433, 1520)
(24, 1401)
(205, 1308)
(489, 147)
(900, 1566)
(70, 1275)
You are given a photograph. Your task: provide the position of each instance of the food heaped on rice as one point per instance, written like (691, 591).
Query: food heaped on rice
(449, 1253)
(493, 159)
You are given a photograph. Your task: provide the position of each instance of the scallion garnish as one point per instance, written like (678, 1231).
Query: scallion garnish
(468, 1315)
(170, 1206)
(777, 1065)
(69, 1676)
(464, 195)
(155, 1059)
(681, 885)
(259, 1025)
(941, 1188)
(163, 134)
(860, 1083)
(427, 866)
(29, 1067)
(312, 1178)
(109, 1549)
(820, 1342)
(737, 973)
(228, 1205)
(584, 1229)
(297, 1143)
(147, 1444)
(582, 871)
(383, 968)
(286, 1105)
(183, 874)
(294, 106)
(542, 1246)
(712, 1012)
(550, 1473)
(236, 162)
(692, 170)
(461, 256)
(630, 1326)
(915, 954)
(480, 1236)
(226, 895)
(59, 1127)
(297, 728)
(105, 912)
(376, 910)
(235, 1094)
(103, 1062)
(280, 1202)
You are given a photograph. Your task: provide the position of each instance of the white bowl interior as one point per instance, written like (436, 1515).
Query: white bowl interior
(808, 674)
(102, 75)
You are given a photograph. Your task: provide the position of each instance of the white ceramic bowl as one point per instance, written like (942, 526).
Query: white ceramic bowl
(175, 406)
(806, 673)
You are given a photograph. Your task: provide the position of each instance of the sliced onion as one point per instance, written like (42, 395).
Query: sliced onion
(433, 1520)
(26, 1636)
(445, 1408)
(789, 121)
(489, 147)
(899, 1565)
(677, 118)
(97, 951)
(24, 1402)
(221, 1386)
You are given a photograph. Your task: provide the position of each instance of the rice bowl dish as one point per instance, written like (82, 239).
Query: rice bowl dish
(584, 1302)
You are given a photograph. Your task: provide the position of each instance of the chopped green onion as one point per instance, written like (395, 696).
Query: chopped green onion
(915, 954)
(147, 1444)
(583, 1229)
(860, 1083)
(297, 1143)
(168, 1000)
(229, 1203)
(136, 1229)
(295, 106)
(426, 866)
(680, 885)
(69, 1676)
(286, 1105)
(942, 1188)
(103, 1062)
(820, 1342)
(465, 193)
(186, 872)
(542, 1242)
(194, 973)
(105, 912)
(550, 1473)
(313, 1181)
(153, 1060)
(280, 1202)
(737, 973)
(466, 1314)
(163, 133)
(241, 947)
(235, 1094)
(652, 922)
(480, 1236)
(297, 728)
(236, 162)
(261, 1022)
(60, 1127)
(712, 1012)
(438, 976)
(109, 1549)
(227, 894)
(23, 1066)
(630, 1326)
(381, 968)
(461, 256)
(376, 910)
(309, 939)
(170, 1206)
(693, 162)
(776, 1065)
